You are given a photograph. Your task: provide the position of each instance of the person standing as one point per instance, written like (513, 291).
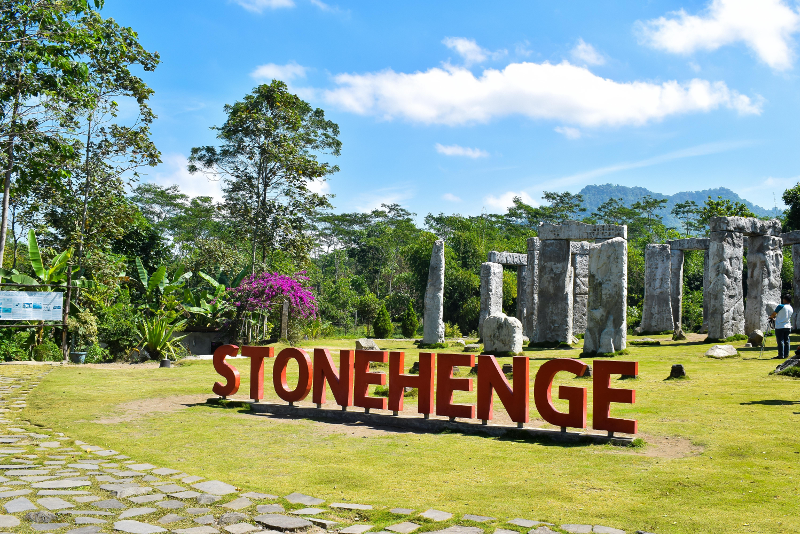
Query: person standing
(783, 326)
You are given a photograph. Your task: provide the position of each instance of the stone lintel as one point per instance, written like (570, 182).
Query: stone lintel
(580, 247)
(745, 225)
(791, 238)
(578, 231)
(507, 258)
(691, 243)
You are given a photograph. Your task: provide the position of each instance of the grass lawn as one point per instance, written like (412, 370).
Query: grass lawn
(722, 451)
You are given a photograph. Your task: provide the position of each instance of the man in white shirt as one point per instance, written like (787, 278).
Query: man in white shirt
(783, 326)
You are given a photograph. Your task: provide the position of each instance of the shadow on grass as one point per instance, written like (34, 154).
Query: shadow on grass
(771, 402)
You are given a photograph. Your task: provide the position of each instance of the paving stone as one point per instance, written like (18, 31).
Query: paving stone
(141, 467)
(477, 518)
(207, 499)
(185, 494)
(197, 511)
(356, 529)
(299, 498)
(125, 490)
(256, 495)
(87, 498)
(599, 529)
(8, 521)
(48, 526)
(459, 529)
(14, 493)
(170, 505)
(191, 480)
(215, 487)
(241, 528)
(60, 484)
(351, 506)
(170, 518)
(505, 531)
(170, 488)
(127, 474)
(109, 504)
(54, 503)
(436, 515)
(196, 530)
(20, 504)
(577, 529)
(164, 471)
(405, 527)
(269, 508)
(133, 512)
(146, 498)
(526, 523)
(307, 511)
(91, 529)
(150, 478)
(283, 523)
(106, 478)
(206, 520)
(402, 511)
(136, 527)
(84, 466)
(238, 504)
(232, 517)
(542, 530)
(89, 521)
(87, 512)
(324, 523)
(105, 453)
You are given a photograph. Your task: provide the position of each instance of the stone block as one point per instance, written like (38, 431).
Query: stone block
(725, 293)
(283, 523)
(764, 264)
(606, 328)
(215, 487)
(433, 322)
(269, 508)
(20, 504)
(554, 307)
(522, 303)
(755, 338)
(722, 351)
(405, 527)
(690, 243)
(502, 334)
(91, 529)
(578, 231)
(366, 344)
(791, 238)
(356, 529)
(531, 287)
(507, 258)
(677, 371)
(676, 258)
(238, 504)
(491, 292)
(299, 498)
(749, 226)
(657, 306)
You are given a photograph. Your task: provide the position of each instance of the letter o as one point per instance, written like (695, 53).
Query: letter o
(279, 375)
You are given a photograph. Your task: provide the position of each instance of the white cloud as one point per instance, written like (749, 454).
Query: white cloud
(173, 172)
(285, 73)
(694, 66)
(258, 6)
(370, 200)
(469, 50)
(568, 132)
(765, 26)
(506, 200)
(455, 150)
(562, 92)
(586, 54)
(450, 197)
(320, 187)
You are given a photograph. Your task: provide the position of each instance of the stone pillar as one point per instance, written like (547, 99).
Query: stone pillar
(491, 292)
(764, 264)
(796, 285)
(554, 313)
(433, 324)
(285, 320)
(676, 287)
(522, 304)
(580, 285)
(606, 328)
(657, 308)
(724, 295)
(706, 289)
(532, 288)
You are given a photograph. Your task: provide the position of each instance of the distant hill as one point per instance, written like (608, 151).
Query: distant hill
(595, 195)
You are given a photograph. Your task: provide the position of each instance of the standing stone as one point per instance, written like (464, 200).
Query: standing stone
(285, 320)
(522, 305)
(433, 325)
(764, 264)
(796, 285)
(502, 334)
(580, 285)
(676, 287)
(606, 328)
(706, 289)
(724, 295)
(657, 307)
(491, 292)
(554, 313)
(532, 288)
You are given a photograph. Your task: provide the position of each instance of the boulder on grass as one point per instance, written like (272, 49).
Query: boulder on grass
(755, 338)
(473, 347)
(722, 351)
(794, 361)
(366, 344)
(502, 334)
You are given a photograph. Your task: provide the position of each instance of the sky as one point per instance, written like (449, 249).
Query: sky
(458, 106)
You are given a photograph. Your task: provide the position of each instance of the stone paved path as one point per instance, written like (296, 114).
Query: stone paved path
(50, 483)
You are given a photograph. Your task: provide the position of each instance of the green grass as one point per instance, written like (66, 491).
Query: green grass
(743, 420)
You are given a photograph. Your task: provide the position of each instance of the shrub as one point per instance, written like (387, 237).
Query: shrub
(410, 322)
(451, 330)
(47, 352)
(383, 323)
(118, 328)
(97, 354)
(14, 346)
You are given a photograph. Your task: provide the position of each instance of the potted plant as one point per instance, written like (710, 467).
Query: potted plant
(158, 338)
(83, 330)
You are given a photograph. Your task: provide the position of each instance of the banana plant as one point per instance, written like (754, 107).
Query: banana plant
(53, 274)
(156, 285)
(207, 306)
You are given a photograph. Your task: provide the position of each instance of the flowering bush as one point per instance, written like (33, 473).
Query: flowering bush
(267, 291)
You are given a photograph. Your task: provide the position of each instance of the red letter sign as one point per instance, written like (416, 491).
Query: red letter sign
(490, 379)
(303, 380)
(446, 385)
(604, 395)
(363, 379)
(257, 355)
(341, 383)
(228, 372)
(423, 382)
(576, 417)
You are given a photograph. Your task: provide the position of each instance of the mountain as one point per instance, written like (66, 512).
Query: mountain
(595, 195)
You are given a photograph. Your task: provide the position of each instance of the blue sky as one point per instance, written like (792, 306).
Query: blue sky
(457, 106)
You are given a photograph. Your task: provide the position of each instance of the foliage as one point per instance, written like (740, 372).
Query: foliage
(409, 323)
(117, 326)
(383, 323)
(452, 330)
(368, 307)
(97, 354)
(47, 352)
(83, 327)
(14, 346)
(791, 197)
(157, 336)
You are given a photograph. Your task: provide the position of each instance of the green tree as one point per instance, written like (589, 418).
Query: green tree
(791, 220)
(368, 307)
(721, 208)
(410, 322)
(688, 213)
(383, 323)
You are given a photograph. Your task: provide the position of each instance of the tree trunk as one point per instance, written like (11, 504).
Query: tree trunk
(9, 169)
(86, 190)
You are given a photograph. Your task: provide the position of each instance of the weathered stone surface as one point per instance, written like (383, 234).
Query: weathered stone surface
(507, 258)
(165, 471)
(477, 518)
(721, 351)
(41, 516)
(170, 504)
(351, 506)
(57, 484)
(794, 361)
(677, 371)
(215, 487)
(436, 515)
(14, 493)
(606, 328)
(532, 288)
(299, 498)
(232, 517)
(600, 529)
(356, 529)
(137, 527)
(127, 490)
(554, 306)
(542, 530)
(147, 498)
(197, 511)
(241, 528)
(796, 285)
(406, 527)
(725, 295)
(433, 323)
(269, 508)
(791, 238)
(109, 504)
(206, 520)
(491, 292)
(580, 285)
(578, 231)
(190, 480)
(207, 499)
(89, 521)
(170, 488)
(91, 529)
(324, 523)
(402, 511)
(366, 344)
(522, 302)
(134, 512)
(20, 504)
(458, 529)
(88, 498)
(283, 523)
(690, 243)
(307, 511)
(196, 530)
(257, 495)
(54, 503)
(525, 523)
(764, 264)
(749, 226)
(676, 258)
(755, 338)
(185, 494)
(577, 529)
(238, 504)
(657, 306)
(8, 521)
(170, 518)
(502, 334)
